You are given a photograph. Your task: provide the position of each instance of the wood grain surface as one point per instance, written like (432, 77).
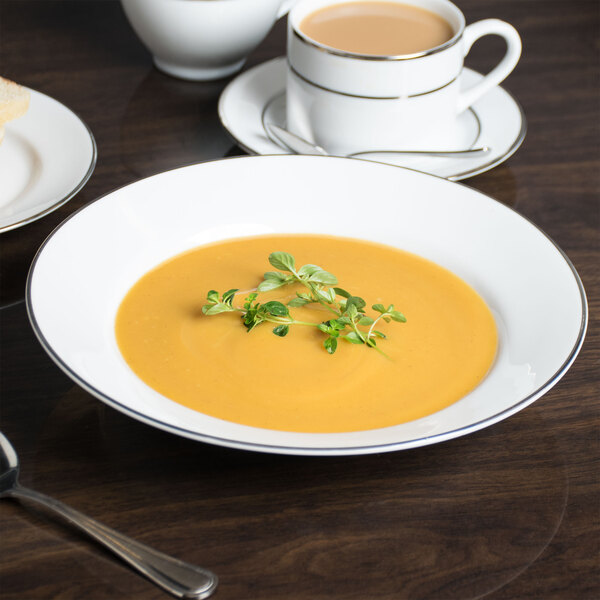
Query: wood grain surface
(509, 512)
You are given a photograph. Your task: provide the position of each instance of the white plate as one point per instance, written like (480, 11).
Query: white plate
(46, 157)
(257, 96)
(85, 268)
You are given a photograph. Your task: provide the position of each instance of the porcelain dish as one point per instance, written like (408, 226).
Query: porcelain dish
(348, 102)
(46, 157)
(257, 96)
(529, 284)
(201, 41)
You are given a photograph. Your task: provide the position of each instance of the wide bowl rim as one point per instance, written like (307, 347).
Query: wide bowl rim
(311, 450)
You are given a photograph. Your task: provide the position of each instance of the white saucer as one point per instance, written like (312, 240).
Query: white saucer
(257, 96)
(46, 157)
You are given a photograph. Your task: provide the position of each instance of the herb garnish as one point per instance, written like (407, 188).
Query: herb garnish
(350, 322)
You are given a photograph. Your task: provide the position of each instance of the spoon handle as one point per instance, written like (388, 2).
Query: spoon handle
(470, 152)
(181, 579)
(295, 143)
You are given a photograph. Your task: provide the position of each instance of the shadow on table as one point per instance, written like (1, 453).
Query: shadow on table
(169, 123)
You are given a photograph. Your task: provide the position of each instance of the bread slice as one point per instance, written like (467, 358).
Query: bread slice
(14, 100)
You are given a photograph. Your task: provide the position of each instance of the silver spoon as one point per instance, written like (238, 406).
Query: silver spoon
(301, 146)
(175, 576)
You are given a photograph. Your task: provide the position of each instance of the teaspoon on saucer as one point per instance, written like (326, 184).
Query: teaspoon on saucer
(301, 146)
(179, 578)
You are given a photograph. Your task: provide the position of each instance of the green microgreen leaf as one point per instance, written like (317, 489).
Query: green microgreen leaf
(250, 299)
(308, 270)
(253, 318)
(366, 321)
(330, 344)
(351, 311)
(353, 338)
(341, 292)
(215, 309)
(379, 308)
(228, 296)
(398, 316)
(281, 330)
(322, 294)
(332, 327)
(282, 261)
(323, 277)
(356, 301)
(270, 284)
(276, 275)
(275, 308)
(296, 302)
(212, 296)
(380, 335)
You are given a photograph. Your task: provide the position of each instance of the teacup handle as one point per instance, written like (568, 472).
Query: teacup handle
(513, 52)
(285, 8)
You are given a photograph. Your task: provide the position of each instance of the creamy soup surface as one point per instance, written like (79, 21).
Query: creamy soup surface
(212, 365)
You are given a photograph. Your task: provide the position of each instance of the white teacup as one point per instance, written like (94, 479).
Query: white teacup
(202, 39)
(348, 102)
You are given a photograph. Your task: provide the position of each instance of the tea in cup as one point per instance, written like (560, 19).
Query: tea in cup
(368, 75)
(202, 39)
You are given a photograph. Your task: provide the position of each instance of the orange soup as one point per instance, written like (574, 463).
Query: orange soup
(213, 365)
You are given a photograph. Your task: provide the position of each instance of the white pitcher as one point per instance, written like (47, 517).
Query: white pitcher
(202, 39)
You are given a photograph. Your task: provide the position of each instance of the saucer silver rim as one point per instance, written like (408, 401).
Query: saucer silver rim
(455, 177)
(278, 144)
(503, 157)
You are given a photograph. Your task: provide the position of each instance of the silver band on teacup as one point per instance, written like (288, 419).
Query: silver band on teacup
(326, 89)
(309, 42)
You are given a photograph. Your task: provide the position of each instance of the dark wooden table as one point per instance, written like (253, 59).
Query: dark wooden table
(509, 512)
